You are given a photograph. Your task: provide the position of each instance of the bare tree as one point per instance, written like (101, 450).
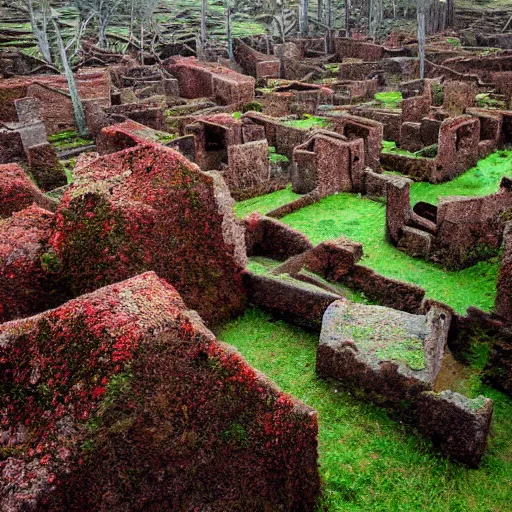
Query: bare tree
(103, 11)
(40, 15)
(421, 35)
(78, 109)
(203, 25)
(228, 30)
(304, 20)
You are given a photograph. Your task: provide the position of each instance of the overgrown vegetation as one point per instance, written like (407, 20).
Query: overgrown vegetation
(390, 99)
(368, 461)
(481, 180)
(363, 220)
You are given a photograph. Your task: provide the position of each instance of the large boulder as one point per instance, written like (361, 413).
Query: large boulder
(122, 400)
(26, 269)
(17, 191)
(149, 208)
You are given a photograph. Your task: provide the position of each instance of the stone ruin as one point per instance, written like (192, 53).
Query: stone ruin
(394, 358)
(392, 354)
(457, 233)
(147, 230)
(144, 374)
(25, 140)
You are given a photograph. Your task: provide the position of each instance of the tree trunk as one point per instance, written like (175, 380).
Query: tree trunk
(228, 30)
(304, 6)
(78, 109)
(347, 18)
(203, 26)
(421, 36)
(40, 34)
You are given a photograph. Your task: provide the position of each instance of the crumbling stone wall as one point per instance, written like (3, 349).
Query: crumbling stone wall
(504, 295)
(457, 233)
(371, 132)
(255, 63)
(148, 208)
(126, 392)
(328, 163)
(202, 79)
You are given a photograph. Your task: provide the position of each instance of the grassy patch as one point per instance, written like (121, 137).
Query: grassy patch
(308, 122)
(481, 180)
(390, 99)
(276, 158)
(266, 203)
(363, 220)
(68, 139)
(369, 462)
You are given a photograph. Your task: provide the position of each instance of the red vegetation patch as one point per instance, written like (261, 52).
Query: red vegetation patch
(24, 267)
(148, 208)
(125, 392)
(17, 191)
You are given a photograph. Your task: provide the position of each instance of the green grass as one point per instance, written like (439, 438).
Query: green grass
(390, 99)
(308, 122)
(370, 463)
(481, 180)
(266, 203)
(363, 220)
(388, 146)
(68, 139)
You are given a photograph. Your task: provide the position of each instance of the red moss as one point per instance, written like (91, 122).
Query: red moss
(17, 191)
(181, 422)
(148, 208)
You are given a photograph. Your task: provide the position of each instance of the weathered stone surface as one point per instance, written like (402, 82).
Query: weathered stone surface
(45, 166)
(458, 426)
(248, 165)
(18, 192)
(148, 208)
(269, 237)
(126, 392)
(26, 272)
(328, 163)
(504, 293)
(297, 302)
(390, 355)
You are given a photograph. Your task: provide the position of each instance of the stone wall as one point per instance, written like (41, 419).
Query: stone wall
(148, 208)
(158, 408)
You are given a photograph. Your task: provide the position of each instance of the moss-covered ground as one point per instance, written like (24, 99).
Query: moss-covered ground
(308, 122)
(481, 180)
(389, 99)
(369, 462)
(363, 220)
(266, 203)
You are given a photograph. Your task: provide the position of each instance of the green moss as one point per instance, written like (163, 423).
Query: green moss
(375, 335)
(363, 220)
(308, 122)
(276, 158)
(485, 100)
(481, 180)
(369, 462)
(68, 139)
(390, 99)
(266, 203)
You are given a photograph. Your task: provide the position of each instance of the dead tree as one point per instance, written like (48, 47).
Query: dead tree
(228, 30)
(78, 108)
(421, 35)
(304, 19)
(39, 20)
